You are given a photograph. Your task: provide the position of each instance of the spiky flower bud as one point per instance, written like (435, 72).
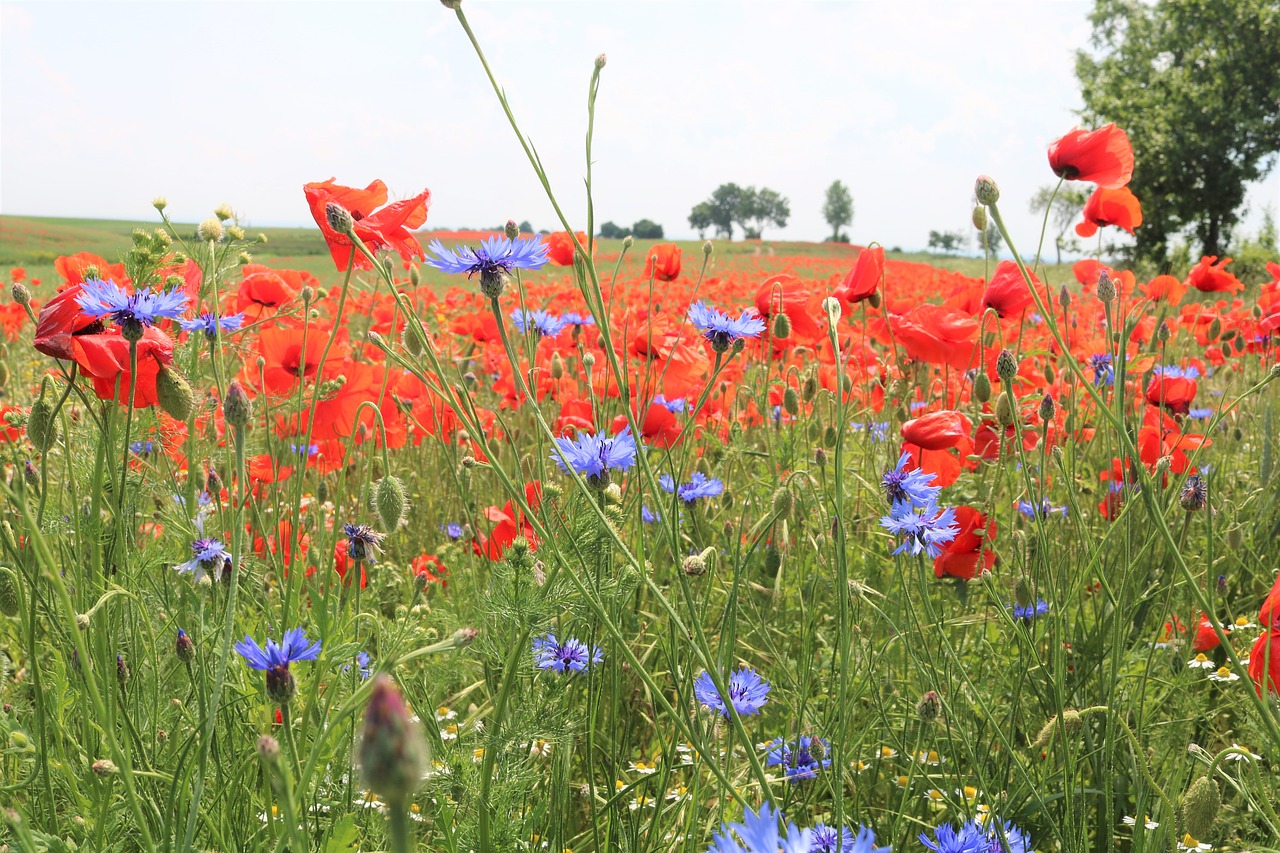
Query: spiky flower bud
(820, 457)
(21, 294)
(1194, 495)
(464, 637)
(1162, 332)
(791, 402)
(82, 621)
(982, 387)
(1072, 724)
(929, 708)
(122, 670)
(281, 685)
(782, 327)
(393, 753)
(268, 749)
(184, 648)
(511, 229)
(1048, 408)
(1200, 806)
(1106, 287)
(1064, 298)
(8, 591)
(339, 218)
(174, 393)
(1006, 366)
(980, 218)
(783, 502)
(104, 767)
(985, 190)
(1004, 410)
(694, 565)
(492, 283)
(210, 231)
(236, 408)
(1163, 464)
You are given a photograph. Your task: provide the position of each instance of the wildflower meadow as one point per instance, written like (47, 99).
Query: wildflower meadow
(501, 541)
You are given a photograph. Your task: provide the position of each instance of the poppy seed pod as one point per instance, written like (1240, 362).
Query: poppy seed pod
(1200, 806)
(985, 190)
(1006, 366)
(393, 753)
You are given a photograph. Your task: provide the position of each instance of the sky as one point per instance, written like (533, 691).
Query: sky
(106, 105)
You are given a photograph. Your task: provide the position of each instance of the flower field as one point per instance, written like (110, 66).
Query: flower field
(488, 541)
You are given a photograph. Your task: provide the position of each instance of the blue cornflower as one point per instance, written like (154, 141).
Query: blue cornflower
(362, 661)
(926, 530)
(949, 839)
(541, 323)
(293, 648)
(131, 312)
(364, 544)
(879, 429)
(1201, 414)
(675, 407)
(648, 516)
(275, 660)
(1104, 372)
(721, 329)
(800, 759)
(594, 456)
(570, 656)
(829, 839)
(914, 486)
(1030, 611)
(493, 259)
(1043, 510)
(453, 530)
(141, 448)
(699, 486)
(758, 833)
(1173, 371)
(573, 318)
(307, 450)
(748, 692)
(208, 555)
(210, 325)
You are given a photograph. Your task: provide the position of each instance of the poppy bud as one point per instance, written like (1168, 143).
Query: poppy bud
(8, 591)
(268, 749)
(1200, 806)
(809, 388)
(874, 300)
(389, 502)
(1215, 329)
(210, 231)
(982, 388)
(393, 753)
(557, 366)
(980, 218)
(1072, 724)
(985, 190)
(1235, 538)
(174, 393)
(1024, 593)
(1106, 287)
(782, 502)
(21, 295)
(339, 218)
(791, 401)
(464, 637)
(782, 327)
(1004, 410)
(1047, 408)
(42, 429)
(1006, 366)
(4, 374)
(236, 408)
(1049, 373)
(929, 708)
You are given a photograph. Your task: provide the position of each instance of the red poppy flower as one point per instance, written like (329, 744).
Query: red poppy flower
(1164, 288)
(60, 320)
(938, 430)
(1206, 638)
(560, 247)
(508, 523)
(1103, 156)
(430, 567)
(342, 564)
(663, 262)
(863, 280)
(288, 358)
(935, 334)
(388, 228)
(1211, 276)
(1007, 292)
(105, 357)
(782, 294)
(1175, 393)
(575, 416)
(1269, 613)
(967, 554)
(7, 432)
(72, 268)
(1117, 207)
(263, 290)
(1264, 662)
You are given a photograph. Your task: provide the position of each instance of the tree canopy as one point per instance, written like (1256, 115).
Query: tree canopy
(1196, 84)
(837, 210)
(748, 208)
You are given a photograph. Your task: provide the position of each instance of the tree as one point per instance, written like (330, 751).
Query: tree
(838, 210)
(525, 227)
(946, 241)
(991, 240)
(1064, 208)
(646, 229)
(1196, 84)
(758, 208)
(700, 219)
(723, 206)
(609, 231)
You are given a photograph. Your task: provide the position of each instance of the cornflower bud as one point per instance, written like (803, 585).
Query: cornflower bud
(929, 708)
(1006, 366)
(1106, 287)
(268, 749)
(588, 360)
(707, 248)
(451, 4)
(985, 190)
(104, 768)
(600, 61)
(184, 648)
(122, 670)
(464, 637)
(236, 408)
(339, 218)
(393, 753)
(210, 231)
(511, 229)
(1047, 408)
(21, 294)
(1064, 298)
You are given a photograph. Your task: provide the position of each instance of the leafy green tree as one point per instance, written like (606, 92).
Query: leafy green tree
(723, 204)
(700, 219)
(1196, 84)
(525, 227)
(610, 231)
(646, 229)
(946, 241)
(1064, 209)
(838, 210)
(758, 208)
